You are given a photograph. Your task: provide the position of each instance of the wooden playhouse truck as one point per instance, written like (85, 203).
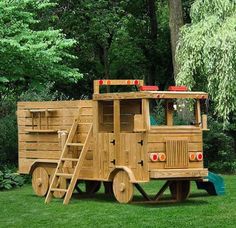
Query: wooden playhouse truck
(112, 139)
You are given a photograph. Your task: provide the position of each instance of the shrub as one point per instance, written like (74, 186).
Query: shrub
(219, 148)
(9, 179)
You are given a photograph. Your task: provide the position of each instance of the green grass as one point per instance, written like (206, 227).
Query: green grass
(21, 208)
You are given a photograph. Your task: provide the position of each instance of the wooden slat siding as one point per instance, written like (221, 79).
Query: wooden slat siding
(152, 138)
(66, 112)
(177, 154)
(53, 104)
(39, 154)
(161, 147)
(58, 121)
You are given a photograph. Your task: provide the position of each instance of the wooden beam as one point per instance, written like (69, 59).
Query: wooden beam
(117, 131)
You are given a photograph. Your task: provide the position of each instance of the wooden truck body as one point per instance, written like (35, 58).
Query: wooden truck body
(123, 147)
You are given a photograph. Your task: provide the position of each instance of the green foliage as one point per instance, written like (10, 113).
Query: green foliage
(219, 148)
(29, 55)
(8, 123)
(9, 179)
(207, 53)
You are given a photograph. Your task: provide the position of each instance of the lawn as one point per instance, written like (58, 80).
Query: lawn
(21, 208)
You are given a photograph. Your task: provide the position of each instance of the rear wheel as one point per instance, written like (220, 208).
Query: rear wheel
(88, 187)
(122, 187)
(62, 184)
(180, 189)
(40, 181)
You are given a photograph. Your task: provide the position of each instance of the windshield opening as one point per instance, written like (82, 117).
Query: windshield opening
(174, 112)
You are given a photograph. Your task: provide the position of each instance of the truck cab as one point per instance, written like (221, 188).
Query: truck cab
(140, 132)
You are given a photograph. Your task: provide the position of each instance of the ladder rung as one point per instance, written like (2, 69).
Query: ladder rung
(84, 123)
(66, 175)
(70, 159)
(75, 144)
(58, 190)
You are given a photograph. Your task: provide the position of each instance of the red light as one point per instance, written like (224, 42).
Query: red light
(199, 156)
(177, 88)
(154, 157)
(149, 88)
(100, 82)
(136, 82)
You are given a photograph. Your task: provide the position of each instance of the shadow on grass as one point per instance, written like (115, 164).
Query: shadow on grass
(137, 200)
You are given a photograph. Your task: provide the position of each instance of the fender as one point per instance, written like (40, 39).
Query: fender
(127, 170)
(42, 161)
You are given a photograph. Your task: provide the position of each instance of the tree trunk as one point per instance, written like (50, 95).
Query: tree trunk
(176, 22)
(153, 38)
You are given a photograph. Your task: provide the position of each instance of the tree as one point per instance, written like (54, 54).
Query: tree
(207, 53)
(29, 55)
(176, 22)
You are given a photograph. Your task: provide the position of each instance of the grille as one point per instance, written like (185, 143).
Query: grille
(177, 154)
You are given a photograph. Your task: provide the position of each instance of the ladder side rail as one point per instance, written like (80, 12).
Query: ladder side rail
(78, 166)
(64, 151)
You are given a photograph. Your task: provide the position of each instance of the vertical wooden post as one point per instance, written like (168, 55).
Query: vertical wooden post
(169, 113)
(198, 113)
(146, 113)
(46, 115)
(117, 132)
(96, 158)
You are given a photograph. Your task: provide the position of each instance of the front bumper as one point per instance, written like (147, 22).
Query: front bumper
(178, 173)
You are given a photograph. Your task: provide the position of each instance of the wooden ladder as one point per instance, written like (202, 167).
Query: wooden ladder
(59, 173)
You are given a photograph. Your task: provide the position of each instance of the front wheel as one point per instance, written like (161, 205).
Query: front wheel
(40, 181)
(122, 187)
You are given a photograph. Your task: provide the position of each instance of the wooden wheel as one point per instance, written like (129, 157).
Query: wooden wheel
(40, 181)
(88, 187)
(122, 187)
(180, 189)
(62, 183)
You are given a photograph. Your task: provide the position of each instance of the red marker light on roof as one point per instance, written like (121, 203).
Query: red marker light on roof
(177, 88)
(149, 88)
(128, 82)
(108, 82)
(100, 82)
(136, 82)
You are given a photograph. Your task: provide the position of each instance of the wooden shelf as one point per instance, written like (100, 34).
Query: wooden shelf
(42, 110)
(42, 131)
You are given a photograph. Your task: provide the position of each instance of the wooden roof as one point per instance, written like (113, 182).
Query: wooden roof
(151, 95)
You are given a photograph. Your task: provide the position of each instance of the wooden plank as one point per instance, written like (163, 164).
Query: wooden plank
(60, 112)
(178, 173)
(67, 121)
(161, 147)
(40, 146)
(38, 138)
(162, 137)
(53, 104)
(151, 94)
(39, 154)
(120, 159)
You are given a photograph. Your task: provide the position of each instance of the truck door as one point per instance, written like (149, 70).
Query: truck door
(132, 154)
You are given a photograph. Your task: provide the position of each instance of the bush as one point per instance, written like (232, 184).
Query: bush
(9, 179)
(8, 122)
(219, 148)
